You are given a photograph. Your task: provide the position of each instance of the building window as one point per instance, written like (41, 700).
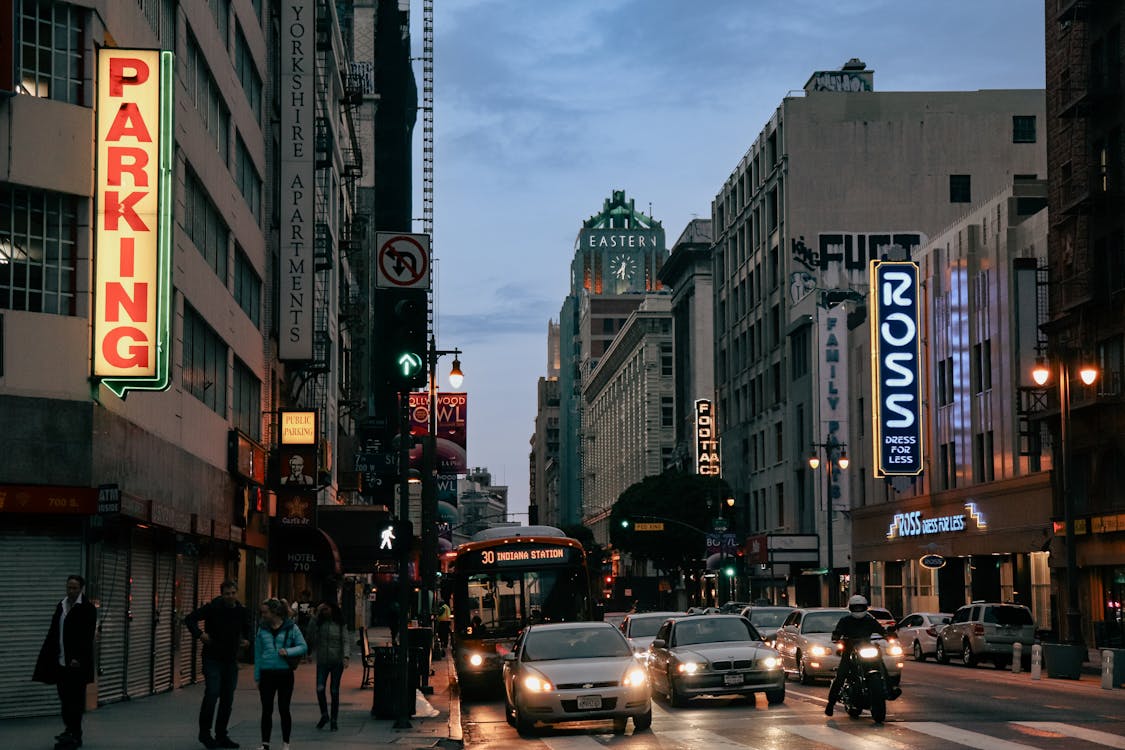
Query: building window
(205, 362)
(1023, 128)
(248, 75)
(666, 361)
(960, 188)
(779, 441)
(247, 401)
(206, 228)
(205, 96)
(247, 287)
(220, 9)
(51, 50)
(667, 412)
(249, 183)
(38, 248)
(799, 353)
(780, 505)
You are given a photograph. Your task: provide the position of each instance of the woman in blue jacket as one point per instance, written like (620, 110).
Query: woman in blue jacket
(278, 640)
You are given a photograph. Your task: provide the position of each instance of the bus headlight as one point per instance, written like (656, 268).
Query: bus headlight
(475, 660)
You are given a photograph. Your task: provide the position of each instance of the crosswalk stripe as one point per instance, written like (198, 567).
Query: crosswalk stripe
(574, 742)
(962, 736)
(829, 737)
(1081, 733)
(700, 738)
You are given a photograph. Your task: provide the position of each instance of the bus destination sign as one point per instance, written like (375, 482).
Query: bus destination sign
(525, 555)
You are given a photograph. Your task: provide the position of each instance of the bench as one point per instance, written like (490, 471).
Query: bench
(368, 659)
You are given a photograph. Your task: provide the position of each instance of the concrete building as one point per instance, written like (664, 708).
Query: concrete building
(840, 175)
(543, 500)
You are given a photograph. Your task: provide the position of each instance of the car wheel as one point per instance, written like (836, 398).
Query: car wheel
(919, 655)
(524, 723)
(675, 697)
(802, 674)
(509, 712)
(967, 655)
(641, 722)
(941, 656)
(773, 697)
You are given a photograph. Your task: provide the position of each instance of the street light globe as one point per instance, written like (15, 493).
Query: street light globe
(1088, 374)
(1040, 373)
(814, 461)
(843, 461)
(730, 502)
(456, 377)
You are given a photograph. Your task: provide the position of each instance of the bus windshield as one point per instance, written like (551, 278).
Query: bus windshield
(498, 603)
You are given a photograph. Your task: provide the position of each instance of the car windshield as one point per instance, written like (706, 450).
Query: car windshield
(645, 627)
(1008, 616)
(714, 630)
(768, 618)
(579, 643)
(820, 622)
(881, 614)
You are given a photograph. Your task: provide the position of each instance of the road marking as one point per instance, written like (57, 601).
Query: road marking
(1081, 733)
(962, 736)
(574, 742)
(700, 738)
(837, 738)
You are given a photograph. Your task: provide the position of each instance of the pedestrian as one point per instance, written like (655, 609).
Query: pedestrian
(225, 630)
(278, 647)
(328, 638)
(394, 619)
(444, 622)
(66, 659)
(306, 611)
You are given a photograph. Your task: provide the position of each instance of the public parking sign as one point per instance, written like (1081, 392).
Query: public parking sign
(402, 261)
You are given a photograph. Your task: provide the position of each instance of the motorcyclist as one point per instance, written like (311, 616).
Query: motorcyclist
(858, 625)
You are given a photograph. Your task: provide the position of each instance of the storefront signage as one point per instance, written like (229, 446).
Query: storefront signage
(933, 562)
(707, 457)
(132, 233)
(913, 524)
(896, 358)
(109, 499)
(48, 499)
(298, 428)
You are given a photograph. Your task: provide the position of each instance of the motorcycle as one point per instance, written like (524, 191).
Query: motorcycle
(867, 686)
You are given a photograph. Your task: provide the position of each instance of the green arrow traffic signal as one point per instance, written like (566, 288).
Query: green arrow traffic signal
(624, 523)
(408, 364)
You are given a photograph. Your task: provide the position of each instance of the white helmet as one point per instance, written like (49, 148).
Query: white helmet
(857, 605)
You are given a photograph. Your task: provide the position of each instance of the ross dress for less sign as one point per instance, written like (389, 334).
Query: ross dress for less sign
(895, 369)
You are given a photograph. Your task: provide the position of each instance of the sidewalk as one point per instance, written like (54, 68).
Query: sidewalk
(170, 720)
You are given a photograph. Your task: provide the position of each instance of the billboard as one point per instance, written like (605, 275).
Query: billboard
(131, 336)
(451, 422)
(896, 369)
(833, 384)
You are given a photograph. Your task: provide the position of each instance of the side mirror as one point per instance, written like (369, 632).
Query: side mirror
(659, 643)
(511, 656)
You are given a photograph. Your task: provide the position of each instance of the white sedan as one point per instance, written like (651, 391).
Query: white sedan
(918, 631)
(574, 671)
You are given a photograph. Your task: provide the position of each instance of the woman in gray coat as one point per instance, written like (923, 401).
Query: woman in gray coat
(329, 640)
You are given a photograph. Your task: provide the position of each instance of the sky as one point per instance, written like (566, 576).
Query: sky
(543, 107)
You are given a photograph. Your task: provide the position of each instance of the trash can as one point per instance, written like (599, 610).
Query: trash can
(1064, 660)
(1117, 676)
(420, 641)
(387, 694)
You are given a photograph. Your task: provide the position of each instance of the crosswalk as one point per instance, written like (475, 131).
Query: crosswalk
(906, 735)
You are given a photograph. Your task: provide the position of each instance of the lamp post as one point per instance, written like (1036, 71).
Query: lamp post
(832, 449)
(723, 557)
(1041, 374)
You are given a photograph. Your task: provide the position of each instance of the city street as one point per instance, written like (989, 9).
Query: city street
(941, 707)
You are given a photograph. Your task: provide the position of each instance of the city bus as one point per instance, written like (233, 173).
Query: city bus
(503, 579)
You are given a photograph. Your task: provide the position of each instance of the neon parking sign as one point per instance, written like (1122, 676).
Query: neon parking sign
(895, 366)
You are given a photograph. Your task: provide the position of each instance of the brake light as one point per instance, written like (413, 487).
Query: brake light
(932, 632)
(978, 629)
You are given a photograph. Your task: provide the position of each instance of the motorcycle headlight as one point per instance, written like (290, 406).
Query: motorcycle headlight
(818, 650)
(869, 652)
(634, 677)
(771, 662)
(689, 667)
(536, 684)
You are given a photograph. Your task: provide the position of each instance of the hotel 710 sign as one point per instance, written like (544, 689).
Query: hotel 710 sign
(895, 365)
(132, 268)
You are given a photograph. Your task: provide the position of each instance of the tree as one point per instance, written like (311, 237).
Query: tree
(688, 502)
(595, 553)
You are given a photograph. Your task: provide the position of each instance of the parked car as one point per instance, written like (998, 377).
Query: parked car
(640, 628)
(694, 655)
(884, 616)
(917, 632)
(614, 618)
(985, 631)
(574, 671)
(804, 642)
(766, 619)
(732, 608)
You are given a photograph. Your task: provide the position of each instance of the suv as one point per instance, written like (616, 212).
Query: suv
(986, 631)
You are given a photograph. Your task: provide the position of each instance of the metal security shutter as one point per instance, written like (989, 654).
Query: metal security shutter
(111, 580)
(164, 654)
(187, 570)
(33, 570)
(211, 575)
(141, 569)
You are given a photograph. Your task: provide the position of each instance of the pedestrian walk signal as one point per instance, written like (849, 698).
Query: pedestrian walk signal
(394, 540)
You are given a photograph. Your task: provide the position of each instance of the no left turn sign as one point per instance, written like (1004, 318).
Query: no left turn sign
(402, 261)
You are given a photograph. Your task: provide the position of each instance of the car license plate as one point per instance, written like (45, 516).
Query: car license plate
(588, 702)
(732, 679)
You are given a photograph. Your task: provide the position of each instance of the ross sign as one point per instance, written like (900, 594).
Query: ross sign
(933, 562)
(659, 526)
(297, 179)
(298, 427)
(402, 261)
(707, 456)
(895, 353)
(913, 524)
(131, 337)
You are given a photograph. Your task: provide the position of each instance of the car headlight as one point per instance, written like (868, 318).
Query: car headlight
(536, 684)
(634, 677)
(894, 649)
(476, 660)
(869, 652)
(771, 662)
(689, 667)
(819, 650)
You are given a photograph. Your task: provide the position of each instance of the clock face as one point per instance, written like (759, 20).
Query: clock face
(623, 267)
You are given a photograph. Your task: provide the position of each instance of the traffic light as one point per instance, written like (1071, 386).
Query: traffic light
(402, 341)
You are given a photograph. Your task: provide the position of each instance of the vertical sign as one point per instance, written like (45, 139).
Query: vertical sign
(452, 409)
(298, 61)
(895, 363)
(133, 195)
(706, 440)
(833, 372)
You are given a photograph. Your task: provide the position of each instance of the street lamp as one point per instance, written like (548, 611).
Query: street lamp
(832, 449)
(1088, 374)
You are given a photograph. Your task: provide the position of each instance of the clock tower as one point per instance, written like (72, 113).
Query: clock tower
(618, 251)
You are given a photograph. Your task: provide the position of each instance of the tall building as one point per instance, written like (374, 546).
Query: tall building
(1086, 324)
(543, 497)
(840, 175)
(618, 254)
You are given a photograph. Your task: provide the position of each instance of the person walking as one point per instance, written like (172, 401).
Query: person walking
(226, 629)
(444, 622)
(66, 659)
(278, 647)
(328, 639)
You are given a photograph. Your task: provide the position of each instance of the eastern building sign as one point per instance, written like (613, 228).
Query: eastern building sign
(895, 368)
(132, 239)
(708, 460)
(298, 188)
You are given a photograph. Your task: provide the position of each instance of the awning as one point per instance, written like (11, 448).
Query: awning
(302, 549)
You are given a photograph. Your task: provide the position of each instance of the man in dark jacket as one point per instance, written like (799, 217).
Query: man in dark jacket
(67, 658)
(226, 629)
(857, 625)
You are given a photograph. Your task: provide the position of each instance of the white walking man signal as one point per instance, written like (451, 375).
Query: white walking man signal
(387, 538)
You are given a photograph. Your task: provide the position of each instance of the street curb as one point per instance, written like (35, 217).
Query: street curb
(456, 737)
